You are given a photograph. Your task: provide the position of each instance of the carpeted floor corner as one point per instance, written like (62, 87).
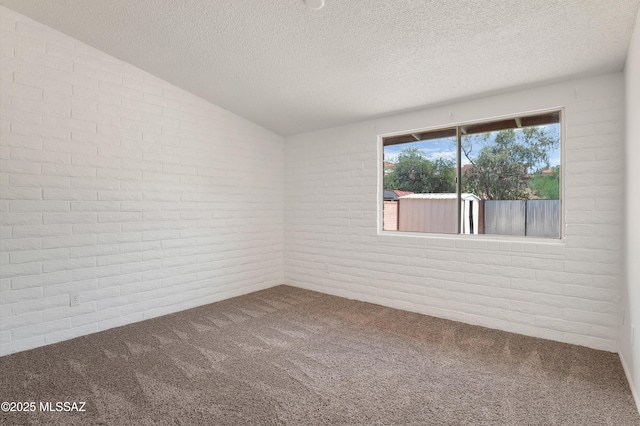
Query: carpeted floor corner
(290, 356)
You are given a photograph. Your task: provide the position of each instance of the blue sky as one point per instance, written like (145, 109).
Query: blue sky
(432, 149)
(436, 148)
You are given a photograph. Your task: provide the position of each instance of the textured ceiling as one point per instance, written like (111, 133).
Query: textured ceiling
(292, 69)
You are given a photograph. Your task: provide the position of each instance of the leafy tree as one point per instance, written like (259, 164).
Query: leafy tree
(501, 166)
(414, 172)
(444, 177)
(546, 186)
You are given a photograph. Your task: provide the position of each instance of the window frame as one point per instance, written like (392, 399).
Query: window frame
(467, 123)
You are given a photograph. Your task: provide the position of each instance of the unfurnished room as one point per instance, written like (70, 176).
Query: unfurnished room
(319, 212)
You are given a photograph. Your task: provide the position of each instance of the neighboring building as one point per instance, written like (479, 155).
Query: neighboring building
(466, 168)
(394, 194)
(390, 214)
(388, 167)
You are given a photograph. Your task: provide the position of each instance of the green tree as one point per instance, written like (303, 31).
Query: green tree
(500, 169)
(414, 172)
(444, 177)
(546, 186)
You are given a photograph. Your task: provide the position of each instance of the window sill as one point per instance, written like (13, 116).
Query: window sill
(476, 237)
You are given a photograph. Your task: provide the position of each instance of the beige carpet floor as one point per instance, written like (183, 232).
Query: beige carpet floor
(291, 356)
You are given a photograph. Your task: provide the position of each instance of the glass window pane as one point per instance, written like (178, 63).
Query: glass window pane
(516, 174)
(420, 185)
(510, 178)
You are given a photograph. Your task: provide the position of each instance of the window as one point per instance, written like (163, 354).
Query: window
(498, 177)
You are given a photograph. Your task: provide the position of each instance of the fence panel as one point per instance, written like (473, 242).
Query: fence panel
(504, 217)
(532, 218)
(543, 218)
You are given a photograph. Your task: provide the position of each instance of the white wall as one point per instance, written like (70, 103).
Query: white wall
(144, 200)
(567, 291)
(117, 186)
(630, 351)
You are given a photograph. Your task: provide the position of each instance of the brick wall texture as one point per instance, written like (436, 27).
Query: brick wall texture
(142, 200)
(566, 290)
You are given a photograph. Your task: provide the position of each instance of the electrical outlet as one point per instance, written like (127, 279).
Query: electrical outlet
(74, 300)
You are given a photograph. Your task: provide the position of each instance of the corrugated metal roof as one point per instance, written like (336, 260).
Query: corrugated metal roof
(442, 196)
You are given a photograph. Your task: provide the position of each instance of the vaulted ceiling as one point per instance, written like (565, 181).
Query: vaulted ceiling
(292, 69)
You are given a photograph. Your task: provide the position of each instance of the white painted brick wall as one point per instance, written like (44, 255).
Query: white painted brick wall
(561, 290)
(629, 346)
(115, 185)
(145, 200)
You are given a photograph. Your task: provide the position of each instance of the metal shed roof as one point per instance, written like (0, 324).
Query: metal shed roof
(441, 196)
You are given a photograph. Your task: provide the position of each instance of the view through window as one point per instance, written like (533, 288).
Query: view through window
(498, 177)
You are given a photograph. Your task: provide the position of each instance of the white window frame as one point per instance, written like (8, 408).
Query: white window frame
(380, 187)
